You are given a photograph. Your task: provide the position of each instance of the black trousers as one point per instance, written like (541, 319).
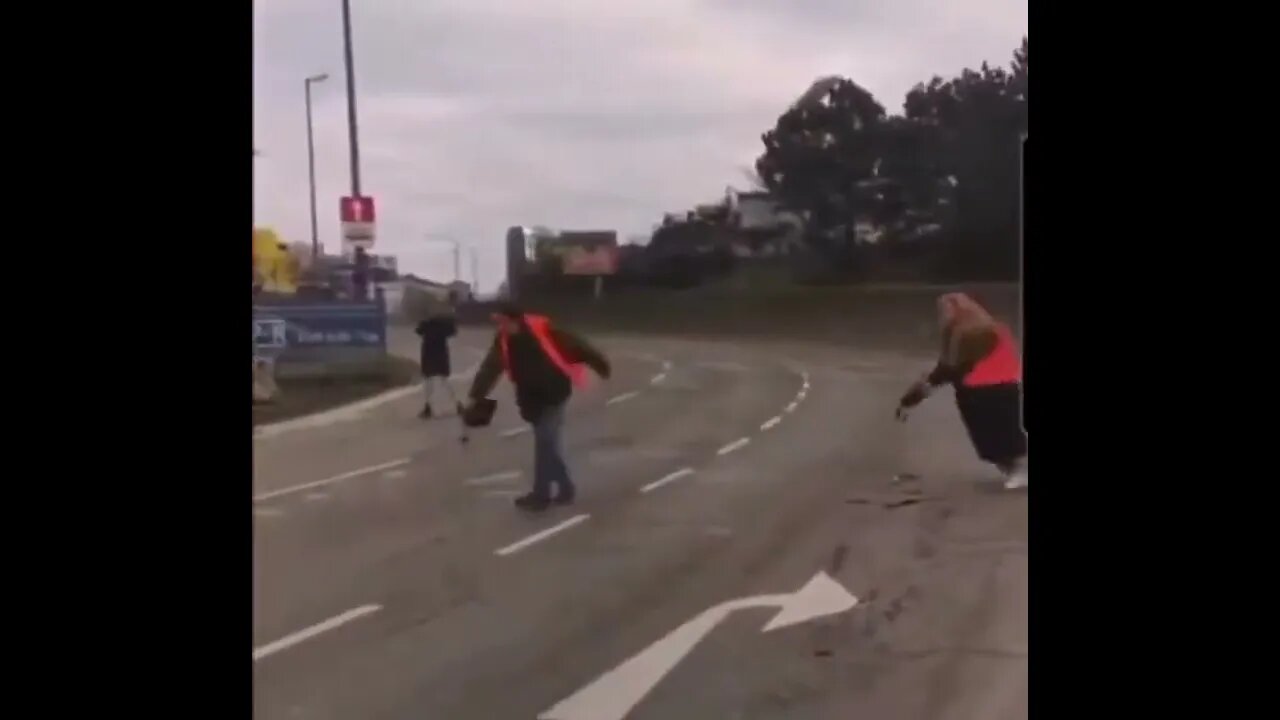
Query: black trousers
(993, 416)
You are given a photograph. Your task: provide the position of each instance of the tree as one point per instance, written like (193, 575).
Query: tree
(819, 159)
(950, 159)
(974, 124)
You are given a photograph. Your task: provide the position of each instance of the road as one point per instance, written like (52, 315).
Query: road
(394, 580)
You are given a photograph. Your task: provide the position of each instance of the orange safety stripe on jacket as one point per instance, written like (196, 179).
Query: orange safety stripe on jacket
(541, 329)
(1001, 366)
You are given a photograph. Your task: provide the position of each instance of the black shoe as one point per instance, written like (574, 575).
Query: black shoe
(426, 411)
(565, 497)
(536, 503)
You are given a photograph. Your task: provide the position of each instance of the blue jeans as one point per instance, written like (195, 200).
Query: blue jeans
(548, 453)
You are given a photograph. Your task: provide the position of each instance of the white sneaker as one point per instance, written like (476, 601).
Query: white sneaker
(1016, 479)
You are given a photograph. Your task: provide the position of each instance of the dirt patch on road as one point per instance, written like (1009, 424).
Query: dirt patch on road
(312, 395)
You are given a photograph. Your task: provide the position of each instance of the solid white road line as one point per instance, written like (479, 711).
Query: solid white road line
(289, 641)
(657, 378)
(514, 431)
(621, 398)
(492, 479)
(768, 424)
(735, 445)
(682, 472)
(329, 481)
(540, 536)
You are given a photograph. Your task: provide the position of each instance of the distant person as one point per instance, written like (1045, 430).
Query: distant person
(360, 275)
(434, 356)
(980, 360)
(545, 364)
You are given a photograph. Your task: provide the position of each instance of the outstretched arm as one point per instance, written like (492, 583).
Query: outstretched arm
(971, 349)
(579, 350)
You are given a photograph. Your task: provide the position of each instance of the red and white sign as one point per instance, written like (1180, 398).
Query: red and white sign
(358, 221)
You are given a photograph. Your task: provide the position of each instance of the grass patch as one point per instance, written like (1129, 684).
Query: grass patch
(304, 396)
(889, 316)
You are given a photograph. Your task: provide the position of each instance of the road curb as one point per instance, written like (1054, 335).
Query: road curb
(350, 411)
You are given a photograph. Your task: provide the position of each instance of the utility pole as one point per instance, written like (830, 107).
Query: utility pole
(475, 273)
(457, 252)
(311, 164)
(353, 135)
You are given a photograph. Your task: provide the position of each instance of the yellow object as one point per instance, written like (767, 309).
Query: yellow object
(274, 266)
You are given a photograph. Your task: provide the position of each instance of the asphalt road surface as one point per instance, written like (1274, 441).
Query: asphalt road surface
(722, 489)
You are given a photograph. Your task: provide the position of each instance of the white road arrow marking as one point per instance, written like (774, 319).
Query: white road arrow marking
(615, 693)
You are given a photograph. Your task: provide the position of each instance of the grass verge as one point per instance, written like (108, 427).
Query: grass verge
(900, 317)
(304, 396)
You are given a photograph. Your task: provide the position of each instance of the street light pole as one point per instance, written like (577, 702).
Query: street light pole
(475, 273)
(457, 254)
(311, 164)
(352, 129)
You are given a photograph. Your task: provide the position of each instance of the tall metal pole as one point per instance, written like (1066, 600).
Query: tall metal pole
(457, 253)
(352, 128)
(311, 165)
(475, 272)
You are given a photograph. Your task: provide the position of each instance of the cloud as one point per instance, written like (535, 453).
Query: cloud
(475, 115)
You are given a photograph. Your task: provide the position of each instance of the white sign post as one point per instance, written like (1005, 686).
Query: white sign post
(616, 692)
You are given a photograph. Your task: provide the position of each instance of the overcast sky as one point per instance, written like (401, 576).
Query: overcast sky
(476, 115)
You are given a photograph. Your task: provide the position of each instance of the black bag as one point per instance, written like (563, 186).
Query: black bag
(480, 413)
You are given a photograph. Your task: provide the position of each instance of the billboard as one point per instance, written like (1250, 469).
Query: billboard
(304, 338)
(589, 252)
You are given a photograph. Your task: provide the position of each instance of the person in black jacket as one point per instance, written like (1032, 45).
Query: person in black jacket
(434, 356)
(544, 363)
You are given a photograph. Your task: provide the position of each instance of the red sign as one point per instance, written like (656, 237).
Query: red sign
(357, 209)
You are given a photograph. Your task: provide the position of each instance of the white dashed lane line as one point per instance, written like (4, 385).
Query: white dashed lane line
(735, 445)
(514, 432)
(289, 641)
(622, 398)
(682, 472)
(537, 537)
(771, 422)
